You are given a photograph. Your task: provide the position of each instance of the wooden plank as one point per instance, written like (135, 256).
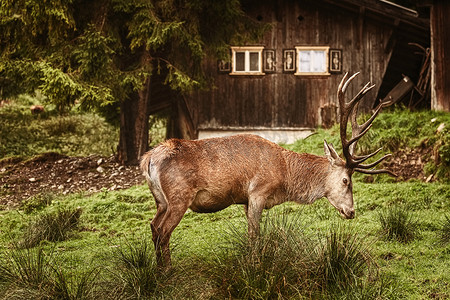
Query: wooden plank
(287, 100)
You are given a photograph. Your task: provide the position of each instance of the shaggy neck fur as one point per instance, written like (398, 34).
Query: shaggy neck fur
(306, 177)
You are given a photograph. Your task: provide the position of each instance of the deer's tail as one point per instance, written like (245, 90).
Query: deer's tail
(145, 163)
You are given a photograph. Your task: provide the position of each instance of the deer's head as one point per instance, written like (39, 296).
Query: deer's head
(339, 185)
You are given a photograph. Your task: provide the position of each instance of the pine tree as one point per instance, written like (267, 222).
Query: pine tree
(104, 54)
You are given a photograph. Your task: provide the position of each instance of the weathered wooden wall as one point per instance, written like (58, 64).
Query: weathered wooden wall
(287, 100)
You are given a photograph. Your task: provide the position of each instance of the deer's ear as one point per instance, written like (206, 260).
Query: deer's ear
(331, 153)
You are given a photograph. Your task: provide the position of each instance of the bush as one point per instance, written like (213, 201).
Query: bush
(267, 266)
(397, 224)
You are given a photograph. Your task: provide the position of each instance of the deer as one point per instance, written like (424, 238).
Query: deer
(208, 175)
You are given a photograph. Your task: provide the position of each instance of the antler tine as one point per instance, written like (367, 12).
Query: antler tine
(359, 130)
(353, 161)
(346, 110)
(379, 171)
(371, 165)
(341, 84)
(361, 94)
(363, 158)
(344, 88)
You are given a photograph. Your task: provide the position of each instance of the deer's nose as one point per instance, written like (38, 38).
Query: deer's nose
(347, 213)
(350, 214)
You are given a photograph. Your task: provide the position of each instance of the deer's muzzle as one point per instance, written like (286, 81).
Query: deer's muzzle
(347, 213)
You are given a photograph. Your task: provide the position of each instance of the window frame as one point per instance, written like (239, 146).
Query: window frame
(325, 49)
(247, 50)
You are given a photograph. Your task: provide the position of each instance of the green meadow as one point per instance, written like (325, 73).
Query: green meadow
(99, 246)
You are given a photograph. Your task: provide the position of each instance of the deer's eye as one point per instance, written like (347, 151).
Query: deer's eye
(345, 181)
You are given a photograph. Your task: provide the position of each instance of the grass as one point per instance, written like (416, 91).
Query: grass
(75, 133)
(135, 269)
(35, 274)
(392, 131)
(113, 236)
(284, 262)
(397, 223)
(53, 227)
(98, 246)
(444, 233)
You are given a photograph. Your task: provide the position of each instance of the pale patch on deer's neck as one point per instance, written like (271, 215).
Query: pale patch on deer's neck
(306, 177)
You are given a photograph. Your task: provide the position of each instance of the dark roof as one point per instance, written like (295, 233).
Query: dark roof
(383, 11)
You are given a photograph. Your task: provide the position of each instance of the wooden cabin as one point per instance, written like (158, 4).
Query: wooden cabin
(285, 85)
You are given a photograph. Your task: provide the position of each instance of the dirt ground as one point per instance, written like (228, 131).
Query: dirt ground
(59, 174)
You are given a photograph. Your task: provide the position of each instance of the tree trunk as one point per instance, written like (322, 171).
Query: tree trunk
(133, 135)
(440, 56)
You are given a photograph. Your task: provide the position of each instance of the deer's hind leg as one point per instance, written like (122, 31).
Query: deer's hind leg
(170, 211)
(161, 209)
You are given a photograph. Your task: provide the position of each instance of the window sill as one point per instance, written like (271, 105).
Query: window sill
(247, 73)
(312, 73)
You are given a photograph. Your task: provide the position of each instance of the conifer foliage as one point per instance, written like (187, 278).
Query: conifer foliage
(104, 54)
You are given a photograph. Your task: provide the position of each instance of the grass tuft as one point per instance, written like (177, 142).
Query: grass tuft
(343, 258)
(52, 227)
(444, 232)
(34, 274)
(135, 269)
(283, 262)
(397, 224)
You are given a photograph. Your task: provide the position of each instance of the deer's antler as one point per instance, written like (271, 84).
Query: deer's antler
(350, 109)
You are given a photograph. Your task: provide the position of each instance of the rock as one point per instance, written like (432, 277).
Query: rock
(32, 179)
(99, 162)
(100, 170)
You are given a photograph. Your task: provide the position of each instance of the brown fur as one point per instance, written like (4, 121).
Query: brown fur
(212, 174)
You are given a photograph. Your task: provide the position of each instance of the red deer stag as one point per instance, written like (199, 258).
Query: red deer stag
(211, 174)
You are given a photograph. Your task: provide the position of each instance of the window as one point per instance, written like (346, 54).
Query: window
(246, 60)
(312, 60)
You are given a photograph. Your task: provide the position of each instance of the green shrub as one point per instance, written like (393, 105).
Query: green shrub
(397, 224)
(28, 267)
(66, 284)
(264, 267)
